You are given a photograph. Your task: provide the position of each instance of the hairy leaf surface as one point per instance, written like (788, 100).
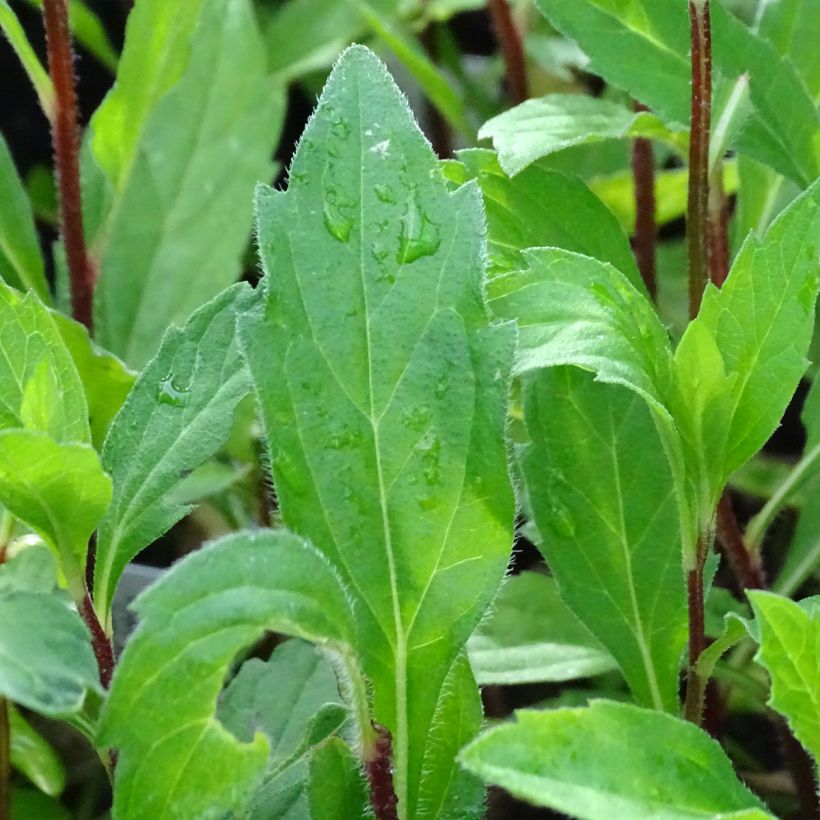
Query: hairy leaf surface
(178, 414)
(517, 218)
(383, 390)
(740, 361)
(603, 500)
(532, 637)
(790, 651)
(175, 755)
(542, 126)
(182, 148)
(337, 788)
(613, 760)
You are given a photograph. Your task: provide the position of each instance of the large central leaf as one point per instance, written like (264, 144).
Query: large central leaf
(383, 388)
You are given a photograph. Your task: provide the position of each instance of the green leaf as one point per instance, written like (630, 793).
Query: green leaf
(740, 361)
(517, 219)
(279, 697)
(16, 35)
(383, 388)
(178, 414)
(59, 490)
(531, 637)
(603, 499)
(32, 570)
(793, 28)
(542, 126)
(48, 664)
(337, 788)
(780, 131)
(21, 261)
(29, 803)
(106, 379)
(40, 388)
(789, 650)
(572, 309)
(613, 760)
(178, 221)
(174, 754)
(32, 755)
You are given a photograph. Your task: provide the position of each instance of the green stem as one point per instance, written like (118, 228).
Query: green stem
(759, 525)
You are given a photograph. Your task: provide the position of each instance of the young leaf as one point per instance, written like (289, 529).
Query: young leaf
(532, 636)
(754, 334)
(178, 414)
(48, 664)
(542, 126)
(571, 309)
(603, 499)
(337, 788)
(40, 388)
(613, 760)
(173, 751)
(383, 389)
(517, 218)
(21, 261)
(789, 649)
(59, 490)
(780, 130)
(32, 755)
(106, 379)
(173, 233)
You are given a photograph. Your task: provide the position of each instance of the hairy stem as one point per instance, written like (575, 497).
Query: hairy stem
(379, 767)
(509, 39)
(744, 563)
(643, 243)
(5, 761)
(103, 650)
(695, 683)
(66, 157)
(697, 221)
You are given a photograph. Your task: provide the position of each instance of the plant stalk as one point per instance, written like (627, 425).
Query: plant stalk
(695, 683)
(697, 222)
(718, 229)
(379, 768)
(646, 229)
(66, 157)
(745, 564)
(103, 650)
(509, 39)
(5, 761)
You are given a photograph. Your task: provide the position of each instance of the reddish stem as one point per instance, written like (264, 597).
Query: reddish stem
(643, 243)
(379, 769)
(509, 39)
(99, 641)
(66, 157)
(697, 232)
(695, 684)
(745, 565)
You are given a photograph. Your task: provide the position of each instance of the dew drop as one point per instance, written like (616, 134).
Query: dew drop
(171, 393)
(419, 235)
(340, 128)
(337, 216)
(385, 194)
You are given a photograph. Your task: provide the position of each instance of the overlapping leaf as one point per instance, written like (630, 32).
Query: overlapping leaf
(542, 126)
(175, 755)
(603, 499)
(532, 636)
(178, 414)
(541, 208)
(383, 389)
(613, 760)
(177, 153)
